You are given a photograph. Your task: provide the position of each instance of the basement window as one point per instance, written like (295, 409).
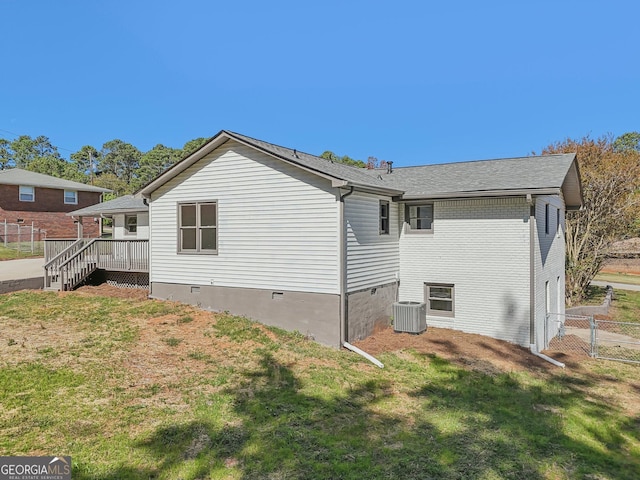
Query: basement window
(440, 299)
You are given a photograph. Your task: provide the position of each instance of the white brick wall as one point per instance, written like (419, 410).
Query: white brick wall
(482, 247)
(549, 266)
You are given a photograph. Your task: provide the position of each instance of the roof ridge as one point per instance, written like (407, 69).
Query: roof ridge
(499, 159)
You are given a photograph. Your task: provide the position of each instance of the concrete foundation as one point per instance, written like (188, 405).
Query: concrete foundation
(369, 309)
(314, 314)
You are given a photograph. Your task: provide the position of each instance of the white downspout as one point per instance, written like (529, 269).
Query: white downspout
(369, 357)
(535, 351)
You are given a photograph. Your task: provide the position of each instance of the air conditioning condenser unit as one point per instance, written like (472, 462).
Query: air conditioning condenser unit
(410, 317)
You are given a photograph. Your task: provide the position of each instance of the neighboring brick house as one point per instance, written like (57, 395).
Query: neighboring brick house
(28, 197)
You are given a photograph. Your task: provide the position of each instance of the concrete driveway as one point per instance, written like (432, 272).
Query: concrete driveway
(617, 286)
(21, 274)
(23, 268)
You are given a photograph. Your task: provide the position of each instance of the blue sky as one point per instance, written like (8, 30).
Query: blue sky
(415, 82)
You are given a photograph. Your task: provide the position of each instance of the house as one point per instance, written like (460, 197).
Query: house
(28, 197)
(300, 242)
(129, 215)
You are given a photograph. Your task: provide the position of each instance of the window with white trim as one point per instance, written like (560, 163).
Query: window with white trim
(27, 194)
(198, 227)
(130, 224)
(384, 217)
(440, 299)
(71, 197)
(420, 217)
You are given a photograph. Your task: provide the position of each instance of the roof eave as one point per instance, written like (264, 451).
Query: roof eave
(482, 194)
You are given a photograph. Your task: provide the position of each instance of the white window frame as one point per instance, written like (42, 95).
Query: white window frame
(75, 197)
(408, 217)
(127, 225)
(27, 193)
(198, 227)
(384, 217)
(428, 297)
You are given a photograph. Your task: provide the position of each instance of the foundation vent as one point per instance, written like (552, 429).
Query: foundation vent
(410, 317)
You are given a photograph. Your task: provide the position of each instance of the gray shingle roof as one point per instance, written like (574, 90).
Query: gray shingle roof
(546, 174)
(124, 204)
(356, 176)
(18, 176)
(523, 173)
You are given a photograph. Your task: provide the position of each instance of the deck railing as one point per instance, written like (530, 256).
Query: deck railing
(80, 259)
(57, 252)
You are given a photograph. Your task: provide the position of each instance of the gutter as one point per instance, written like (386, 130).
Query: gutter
(343, 270)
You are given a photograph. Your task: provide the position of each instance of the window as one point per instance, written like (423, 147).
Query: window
(439, 299)
(71, 197)
(130, 223)
(546, 218)
(420, 217)
(384, 217)
(27, 194)
(198, 232)
(558, 221)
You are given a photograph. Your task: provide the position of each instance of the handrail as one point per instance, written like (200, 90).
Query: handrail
(107, 254)
(52, 267)
(53, 244)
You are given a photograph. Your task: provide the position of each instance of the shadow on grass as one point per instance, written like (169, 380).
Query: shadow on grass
(456, 424)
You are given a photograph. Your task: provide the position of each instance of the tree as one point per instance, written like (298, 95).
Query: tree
(627, 142)
(610, 181)
(24, 151)
(6, 156)
(83, 163)
(373, 163)
(120, 159)
(112, 182)
(329, 155)
(193, 145)
(154, 162)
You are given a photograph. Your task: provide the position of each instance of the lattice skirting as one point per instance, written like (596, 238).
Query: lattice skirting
(127, 279)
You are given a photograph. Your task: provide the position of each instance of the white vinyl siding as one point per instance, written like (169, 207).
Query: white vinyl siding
(277, 225)
(372, 259)
(482, 247)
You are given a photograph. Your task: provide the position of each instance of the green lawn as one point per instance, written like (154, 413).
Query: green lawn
(619, 278)
(12, 254)
(139, 389)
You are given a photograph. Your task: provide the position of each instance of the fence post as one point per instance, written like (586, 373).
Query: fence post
(31, 237)
(592, 325)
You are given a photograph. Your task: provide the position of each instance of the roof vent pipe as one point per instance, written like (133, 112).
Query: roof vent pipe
(389, 167)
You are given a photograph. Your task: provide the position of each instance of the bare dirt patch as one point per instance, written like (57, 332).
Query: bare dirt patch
(477, 352)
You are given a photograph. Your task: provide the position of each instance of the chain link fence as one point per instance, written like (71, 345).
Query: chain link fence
(591, 337)
(617, 341)
(25, 239)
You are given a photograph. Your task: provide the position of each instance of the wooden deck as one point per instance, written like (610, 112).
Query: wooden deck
(69, 262)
